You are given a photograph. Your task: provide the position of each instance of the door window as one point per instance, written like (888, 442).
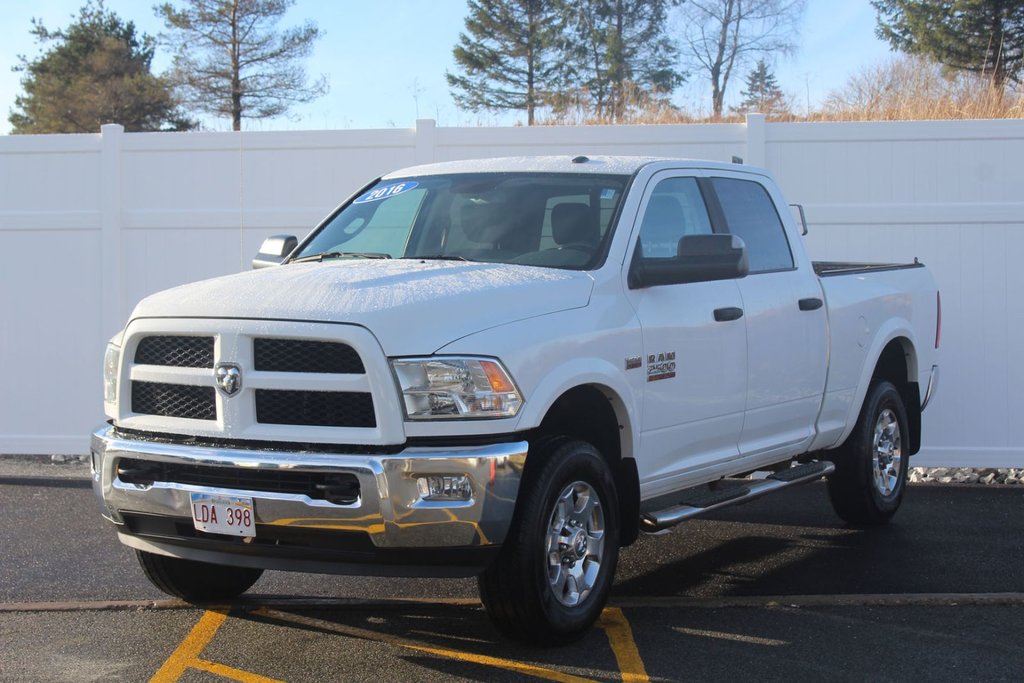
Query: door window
(675, 209)
(750, 213)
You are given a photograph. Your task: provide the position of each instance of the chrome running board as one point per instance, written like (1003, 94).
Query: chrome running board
(700, 501)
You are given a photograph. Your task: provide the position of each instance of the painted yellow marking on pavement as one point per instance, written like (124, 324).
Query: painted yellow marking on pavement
(737, 637)
(186, 656)
(386, 638)
(620, 635)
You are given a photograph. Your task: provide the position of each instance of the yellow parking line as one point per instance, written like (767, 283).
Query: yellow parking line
(366, 634)
(231, 672)
(620, 635)
(186, 656)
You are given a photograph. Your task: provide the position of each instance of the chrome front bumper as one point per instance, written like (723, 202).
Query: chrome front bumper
(389, 511)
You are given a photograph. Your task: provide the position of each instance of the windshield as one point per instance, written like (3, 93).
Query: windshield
(537, 219)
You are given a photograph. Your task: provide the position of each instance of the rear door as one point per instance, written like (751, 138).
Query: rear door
(695, 366)
(786, 323)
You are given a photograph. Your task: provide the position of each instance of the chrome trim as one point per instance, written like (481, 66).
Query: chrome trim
(389, 509)
(933, 384)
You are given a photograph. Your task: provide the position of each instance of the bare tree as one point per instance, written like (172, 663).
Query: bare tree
(230, 59)
(723, 35)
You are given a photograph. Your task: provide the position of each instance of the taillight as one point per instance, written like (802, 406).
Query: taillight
(938, 318)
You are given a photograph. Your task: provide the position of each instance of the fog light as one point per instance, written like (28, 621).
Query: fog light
(445, 487)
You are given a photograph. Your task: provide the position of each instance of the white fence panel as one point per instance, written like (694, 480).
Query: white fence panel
(89, 224)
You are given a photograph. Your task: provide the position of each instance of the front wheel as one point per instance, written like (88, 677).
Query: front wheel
(196, 581)
(553, 575)
(871, 467)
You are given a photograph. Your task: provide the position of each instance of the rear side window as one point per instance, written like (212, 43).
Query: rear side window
(750, 213)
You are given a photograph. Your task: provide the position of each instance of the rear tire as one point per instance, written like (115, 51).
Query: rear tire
(196, 581)
(871, 467)
(555, 570)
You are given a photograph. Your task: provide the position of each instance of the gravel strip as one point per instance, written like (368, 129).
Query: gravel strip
(989, 476)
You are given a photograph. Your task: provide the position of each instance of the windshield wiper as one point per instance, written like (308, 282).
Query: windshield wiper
(339, 254)
(438, 257)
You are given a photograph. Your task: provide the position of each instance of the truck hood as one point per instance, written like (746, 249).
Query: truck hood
(412, 306)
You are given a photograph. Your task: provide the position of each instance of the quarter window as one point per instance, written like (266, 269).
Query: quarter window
(750, 213)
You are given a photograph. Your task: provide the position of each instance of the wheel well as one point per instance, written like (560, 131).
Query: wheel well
(898, 364)
(596, 415)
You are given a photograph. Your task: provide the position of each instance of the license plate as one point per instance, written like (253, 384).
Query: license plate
(216, 514)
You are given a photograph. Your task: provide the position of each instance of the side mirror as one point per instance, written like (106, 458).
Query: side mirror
(700, 258)
(801, 216)
(274, 250)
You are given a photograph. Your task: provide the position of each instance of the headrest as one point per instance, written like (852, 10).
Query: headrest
(482, 223)
(572, 223)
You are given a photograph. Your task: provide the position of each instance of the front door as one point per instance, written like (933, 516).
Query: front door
(695, 365)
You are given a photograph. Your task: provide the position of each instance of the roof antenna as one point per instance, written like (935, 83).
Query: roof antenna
(580, 160)
(737, 160)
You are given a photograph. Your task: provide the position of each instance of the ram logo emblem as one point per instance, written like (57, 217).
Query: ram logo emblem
(229, 378)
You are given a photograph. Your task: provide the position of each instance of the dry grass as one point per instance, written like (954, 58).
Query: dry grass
(907, 88)
(901, 89)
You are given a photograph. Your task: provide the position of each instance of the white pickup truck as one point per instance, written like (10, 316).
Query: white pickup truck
(509, 368)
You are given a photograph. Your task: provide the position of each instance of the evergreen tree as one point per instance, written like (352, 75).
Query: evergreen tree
(231, 60)
(509, 56)
(762, 93)
(985, 36)
(96, 71)
(621, 52)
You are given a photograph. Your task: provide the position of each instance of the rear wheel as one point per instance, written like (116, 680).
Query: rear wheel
(196, 581)
(871, 467)
(555, 570)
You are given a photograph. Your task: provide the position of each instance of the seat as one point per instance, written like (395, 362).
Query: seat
(573, 226)
(663, 226)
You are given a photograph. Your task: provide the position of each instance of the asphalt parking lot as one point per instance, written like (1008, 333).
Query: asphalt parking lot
(777, 589)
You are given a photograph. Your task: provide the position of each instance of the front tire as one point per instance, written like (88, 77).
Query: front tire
(871, 467)
(555, 570)
(196, 581)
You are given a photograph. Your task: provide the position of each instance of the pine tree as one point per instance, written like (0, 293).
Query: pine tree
(509, 56)
(96, 71)
(231, 60)
(620, 52)
(762, 93)
(983, 36)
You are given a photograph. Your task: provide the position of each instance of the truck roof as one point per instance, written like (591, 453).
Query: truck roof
(567, 163)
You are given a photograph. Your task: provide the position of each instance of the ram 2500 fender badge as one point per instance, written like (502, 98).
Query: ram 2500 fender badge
(661, 366)
(229, 378)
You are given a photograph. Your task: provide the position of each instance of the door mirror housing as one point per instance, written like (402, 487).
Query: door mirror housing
(274, 250)
(700, 258)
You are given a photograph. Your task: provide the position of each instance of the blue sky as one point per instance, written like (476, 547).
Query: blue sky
(385, 61)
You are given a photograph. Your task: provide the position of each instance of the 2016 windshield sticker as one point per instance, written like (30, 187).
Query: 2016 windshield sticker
(385, 191)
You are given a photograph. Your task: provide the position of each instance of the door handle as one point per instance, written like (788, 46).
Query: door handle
(726, 314)
(812, 304)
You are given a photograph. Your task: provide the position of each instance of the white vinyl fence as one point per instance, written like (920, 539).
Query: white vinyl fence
(89, 224)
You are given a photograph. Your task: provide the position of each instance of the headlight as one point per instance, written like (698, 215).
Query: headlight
(110, 362)
(453, 388)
